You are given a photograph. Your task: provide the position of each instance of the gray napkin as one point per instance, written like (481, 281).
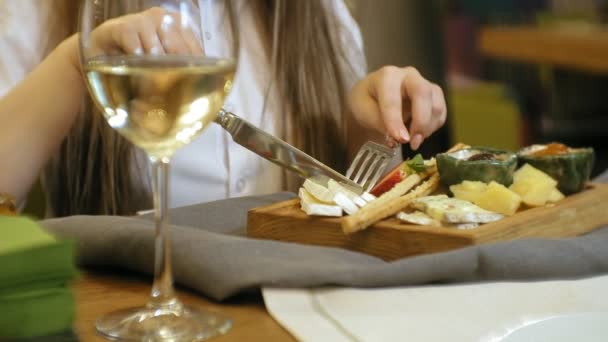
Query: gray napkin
(211, 254)
(602, 178)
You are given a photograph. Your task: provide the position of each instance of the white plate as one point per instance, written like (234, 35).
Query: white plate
(583, 327)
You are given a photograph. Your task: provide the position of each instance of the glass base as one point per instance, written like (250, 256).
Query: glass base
(176, 323)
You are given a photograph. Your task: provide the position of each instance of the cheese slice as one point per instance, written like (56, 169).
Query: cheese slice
(336, 187)
(418, 217)
(319, 191)
(453, 210)
(311, 206)
(368, 197)
(463, 226)
(345, 203)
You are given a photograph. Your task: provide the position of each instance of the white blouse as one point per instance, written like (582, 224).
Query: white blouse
(212, 166)
(25, 38)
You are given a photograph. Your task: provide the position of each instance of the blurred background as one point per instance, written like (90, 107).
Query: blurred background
(516, 72)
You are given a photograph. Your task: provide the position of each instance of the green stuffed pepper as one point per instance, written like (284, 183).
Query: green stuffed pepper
(477, 164)
(570, 167)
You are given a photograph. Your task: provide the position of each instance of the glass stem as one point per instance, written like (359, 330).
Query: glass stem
(163, 293)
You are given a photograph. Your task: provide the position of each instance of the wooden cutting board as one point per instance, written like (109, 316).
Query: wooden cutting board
(391, 239)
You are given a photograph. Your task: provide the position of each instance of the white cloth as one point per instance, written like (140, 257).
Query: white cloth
(213, 166)
(24, 38)
(460, 313)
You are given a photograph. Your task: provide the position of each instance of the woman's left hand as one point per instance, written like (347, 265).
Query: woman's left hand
(390, 98)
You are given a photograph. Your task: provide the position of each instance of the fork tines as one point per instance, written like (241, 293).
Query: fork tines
(369, 164)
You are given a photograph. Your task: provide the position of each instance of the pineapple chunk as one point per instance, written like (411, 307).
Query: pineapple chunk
(555, 196)
(494, 197)
(468, 190)
(533, 185)
(499, 199)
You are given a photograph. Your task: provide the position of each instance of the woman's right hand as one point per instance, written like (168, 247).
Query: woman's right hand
(399, 102)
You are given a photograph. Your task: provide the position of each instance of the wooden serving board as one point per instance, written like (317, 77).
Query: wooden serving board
(392, 239)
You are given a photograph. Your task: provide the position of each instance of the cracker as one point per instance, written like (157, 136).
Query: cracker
(371, 214)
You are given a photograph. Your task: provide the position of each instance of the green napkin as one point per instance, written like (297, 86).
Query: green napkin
(35, 268)
(20, 233)
(36, 312)
(31, 257)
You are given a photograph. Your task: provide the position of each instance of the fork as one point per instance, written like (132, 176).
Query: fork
(369, 164)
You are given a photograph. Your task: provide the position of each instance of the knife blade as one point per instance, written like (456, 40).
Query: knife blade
(278, 151)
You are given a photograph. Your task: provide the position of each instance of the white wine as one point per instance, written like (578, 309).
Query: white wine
(160, 103)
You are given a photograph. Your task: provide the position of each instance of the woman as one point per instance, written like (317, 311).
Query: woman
(313, 51)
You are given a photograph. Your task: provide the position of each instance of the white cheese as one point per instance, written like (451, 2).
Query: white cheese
(345, 203)
(368, 197)
(418, 217)
(336, 187)
(465, 226)
(453, 210)
(311, 206)
(320, 192)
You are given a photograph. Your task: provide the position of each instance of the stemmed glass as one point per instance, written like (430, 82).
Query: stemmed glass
(159, 81)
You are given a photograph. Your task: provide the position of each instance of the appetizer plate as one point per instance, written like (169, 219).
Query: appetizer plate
(392, 239)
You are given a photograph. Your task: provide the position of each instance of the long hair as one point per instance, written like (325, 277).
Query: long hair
(94, 172)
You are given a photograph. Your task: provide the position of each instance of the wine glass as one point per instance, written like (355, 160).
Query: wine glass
(159, 80)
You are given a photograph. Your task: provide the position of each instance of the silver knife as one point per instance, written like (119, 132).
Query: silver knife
(276, 150)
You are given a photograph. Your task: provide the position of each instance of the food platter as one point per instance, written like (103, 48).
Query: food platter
(390, 238)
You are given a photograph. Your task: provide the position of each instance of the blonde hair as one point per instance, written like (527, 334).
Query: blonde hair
(94, 171)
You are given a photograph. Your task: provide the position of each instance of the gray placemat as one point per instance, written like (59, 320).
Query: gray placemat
(211, 254)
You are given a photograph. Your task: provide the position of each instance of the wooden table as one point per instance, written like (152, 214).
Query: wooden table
(584, 49)
(99, 293)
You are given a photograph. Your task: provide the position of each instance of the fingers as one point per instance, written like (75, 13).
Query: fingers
(420, 93)
(428, 107)
(391, 97)
(364, 106)
(427, 120)
(149, 38)
(155, 31)
(114, 36)
(175, 33)
(440, 108)
(191, 36)
(193, 42)
(386, 86)
(170, 36)
(127, 40)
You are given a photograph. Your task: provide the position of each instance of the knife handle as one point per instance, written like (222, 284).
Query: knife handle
(228, 121)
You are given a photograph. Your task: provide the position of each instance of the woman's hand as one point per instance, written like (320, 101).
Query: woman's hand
(391, 98)
(154, 31)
